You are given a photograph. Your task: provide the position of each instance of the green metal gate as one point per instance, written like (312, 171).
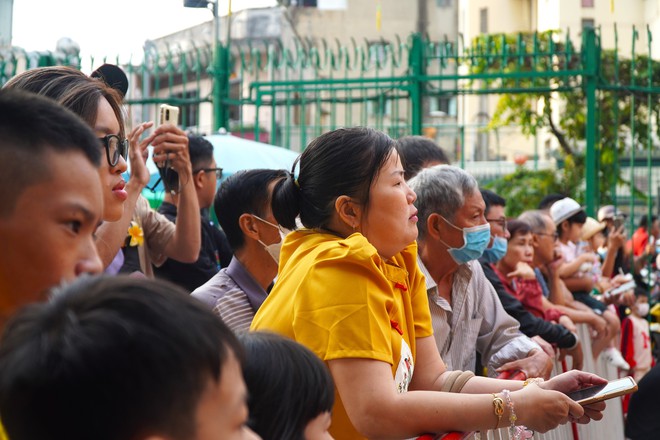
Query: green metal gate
(287, 94)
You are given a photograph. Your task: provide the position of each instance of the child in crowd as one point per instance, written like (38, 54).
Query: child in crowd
(636, 336)
(594, 240)
(636, 340)
(291, 392)
(570, 218)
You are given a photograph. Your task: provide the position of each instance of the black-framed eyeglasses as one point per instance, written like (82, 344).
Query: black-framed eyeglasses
(114, 148)
(500, 221)
(217, 171)
(554, 235)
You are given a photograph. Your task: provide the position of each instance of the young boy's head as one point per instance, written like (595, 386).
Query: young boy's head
(641, 306)
(51, 198)
(121, 358)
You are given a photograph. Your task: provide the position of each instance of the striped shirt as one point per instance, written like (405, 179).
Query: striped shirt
(234, 295)
(474, 322)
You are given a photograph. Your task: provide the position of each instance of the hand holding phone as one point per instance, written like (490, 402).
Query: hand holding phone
(168, 114)
(599, 393)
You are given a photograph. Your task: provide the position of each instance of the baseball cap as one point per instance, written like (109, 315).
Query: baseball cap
(564, 209)
(591, 227)
(608, 211)
(113, 76)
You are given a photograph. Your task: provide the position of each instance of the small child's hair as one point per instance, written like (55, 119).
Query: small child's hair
(287, 383)
(640, 291)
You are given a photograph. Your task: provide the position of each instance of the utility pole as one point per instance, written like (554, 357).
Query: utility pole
(422, 17)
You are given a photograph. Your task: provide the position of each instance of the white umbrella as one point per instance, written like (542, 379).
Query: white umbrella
(232, 154)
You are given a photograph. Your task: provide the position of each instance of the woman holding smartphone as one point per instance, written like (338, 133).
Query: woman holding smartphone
(349, 289)
(101, 107)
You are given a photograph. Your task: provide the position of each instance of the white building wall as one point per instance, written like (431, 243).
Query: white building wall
(625, 15)
(652, 15)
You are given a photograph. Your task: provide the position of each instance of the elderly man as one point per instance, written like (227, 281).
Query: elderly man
(547, 260)
(466, 313)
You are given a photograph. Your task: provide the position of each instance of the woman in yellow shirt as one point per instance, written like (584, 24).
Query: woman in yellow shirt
(349, 288)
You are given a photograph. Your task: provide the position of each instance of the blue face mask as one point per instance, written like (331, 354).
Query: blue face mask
(496, 252)
(475, 240)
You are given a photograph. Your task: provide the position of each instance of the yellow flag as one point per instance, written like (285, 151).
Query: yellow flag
(379, 16)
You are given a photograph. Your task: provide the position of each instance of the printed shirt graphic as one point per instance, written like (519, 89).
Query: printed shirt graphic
(404, 371)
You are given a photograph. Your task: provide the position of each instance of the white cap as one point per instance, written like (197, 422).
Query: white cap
(609, 212)
(563, 209)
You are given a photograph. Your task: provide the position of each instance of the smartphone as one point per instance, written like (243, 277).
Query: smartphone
(169, 114)
(598, 393)
(618, 222)
(622, 288)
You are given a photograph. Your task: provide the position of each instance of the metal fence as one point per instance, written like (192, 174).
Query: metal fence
(286, 93)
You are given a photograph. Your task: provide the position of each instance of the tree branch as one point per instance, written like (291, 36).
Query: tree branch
(560, 137)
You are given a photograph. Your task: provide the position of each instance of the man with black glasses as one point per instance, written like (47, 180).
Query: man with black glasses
(215, 252)
(547, 259)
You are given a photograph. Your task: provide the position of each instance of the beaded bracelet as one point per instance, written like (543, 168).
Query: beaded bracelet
(513, 433)
(498, 408)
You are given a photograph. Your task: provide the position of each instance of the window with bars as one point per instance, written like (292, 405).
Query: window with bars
(483, 20)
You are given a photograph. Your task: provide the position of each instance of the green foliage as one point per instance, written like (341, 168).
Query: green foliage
(540, 83)
(523, 189)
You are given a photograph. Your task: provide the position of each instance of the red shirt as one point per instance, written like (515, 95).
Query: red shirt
(530, 294)
(640, 239)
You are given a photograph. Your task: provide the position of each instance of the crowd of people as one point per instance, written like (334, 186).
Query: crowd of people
(372, 291)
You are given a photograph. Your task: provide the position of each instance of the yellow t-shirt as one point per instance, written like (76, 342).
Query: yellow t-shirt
(339, 298)
(3, 436)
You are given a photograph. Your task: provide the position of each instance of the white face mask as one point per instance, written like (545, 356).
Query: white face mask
(642, 309)
(273, 249)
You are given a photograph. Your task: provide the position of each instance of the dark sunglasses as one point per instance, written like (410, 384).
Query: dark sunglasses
(114, 148)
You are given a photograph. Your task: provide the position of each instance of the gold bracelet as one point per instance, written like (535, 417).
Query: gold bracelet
(498, 408)
(536, 380)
